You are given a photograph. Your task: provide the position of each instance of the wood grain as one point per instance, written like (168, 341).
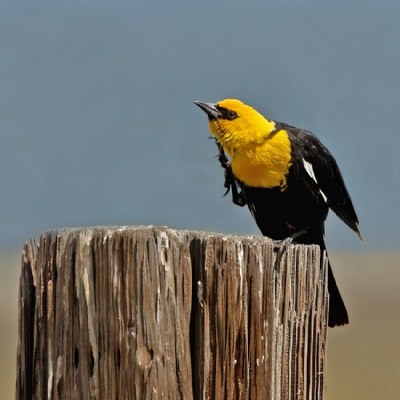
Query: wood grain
(157, 313)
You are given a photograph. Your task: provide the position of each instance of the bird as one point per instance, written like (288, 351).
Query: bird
(286, 176)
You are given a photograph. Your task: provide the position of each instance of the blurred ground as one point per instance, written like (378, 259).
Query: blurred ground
(9, 271)
(363, 358)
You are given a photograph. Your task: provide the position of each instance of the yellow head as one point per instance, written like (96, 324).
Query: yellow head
(235, 124)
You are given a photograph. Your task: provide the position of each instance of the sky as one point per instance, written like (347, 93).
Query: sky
(98, 125)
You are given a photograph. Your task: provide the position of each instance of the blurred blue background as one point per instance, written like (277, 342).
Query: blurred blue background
(98, 124)
(97, 127)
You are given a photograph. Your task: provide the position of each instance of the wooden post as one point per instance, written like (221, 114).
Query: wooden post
(157, 313)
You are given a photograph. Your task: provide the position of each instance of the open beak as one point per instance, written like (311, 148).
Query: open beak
(210, 109)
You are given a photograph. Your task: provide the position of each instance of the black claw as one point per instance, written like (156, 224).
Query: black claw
(239, 199)
(227, 182)
(222, 158)
(230, 183)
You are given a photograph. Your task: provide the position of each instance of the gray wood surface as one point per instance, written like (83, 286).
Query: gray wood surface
(156, 313)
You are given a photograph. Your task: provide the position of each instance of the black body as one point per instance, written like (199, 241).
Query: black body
(304, 204)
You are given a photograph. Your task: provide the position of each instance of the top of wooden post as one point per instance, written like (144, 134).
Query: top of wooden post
(151, 312)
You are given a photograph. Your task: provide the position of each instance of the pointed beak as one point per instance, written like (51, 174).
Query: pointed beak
(209, 108)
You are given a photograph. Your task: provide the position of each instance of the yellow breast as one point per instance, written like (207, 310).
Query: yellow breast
(264, 164)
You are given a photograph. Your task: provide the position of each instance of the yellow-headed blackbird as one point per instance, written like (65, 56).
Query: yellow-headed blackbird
(286, 176)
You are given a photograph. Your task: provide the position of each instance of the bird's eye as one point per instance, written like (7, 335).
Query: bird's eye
(231, 114)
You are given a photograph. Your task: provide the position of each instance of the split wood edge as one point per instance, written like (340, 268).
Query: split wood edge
(152, 312)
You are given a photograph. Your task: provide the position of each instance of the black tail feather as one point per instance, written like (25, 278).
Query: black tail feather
(337, 310)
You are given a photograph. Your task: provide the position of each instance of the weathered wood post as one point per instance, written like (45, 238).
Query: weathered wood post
(156, 313)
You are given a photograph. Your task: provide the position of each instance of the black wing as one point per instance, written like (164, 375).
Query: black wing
(306, 147)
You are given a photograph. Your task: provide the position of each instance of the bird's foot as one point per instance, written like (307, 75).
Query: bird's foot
(284, 245)
(238, 198)
(281, 250)
(292, 238)
(299, 233)
(222, 158)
